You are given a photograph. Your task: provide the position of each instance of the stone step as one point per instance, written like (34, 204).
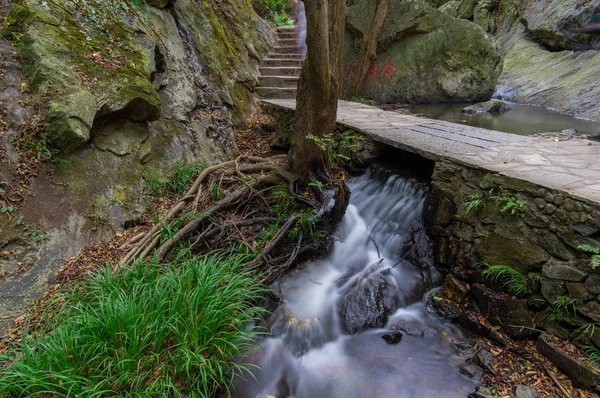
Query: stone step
(276, 92)
(282, 62)
(291, 28)
(278, 81)
(280, 71)
(287, 42)
(284, 50)
(286, 35)
(287, 56)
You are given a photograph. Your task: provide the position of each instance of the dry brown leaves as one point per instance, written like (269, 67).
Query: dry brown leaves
(253, 141)
(86, 80)
(519, 363)
(115, 62)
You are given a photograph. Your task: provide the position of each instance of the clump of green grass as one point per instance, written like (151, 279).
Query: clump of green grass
(146, 331)
(563, 306)
(593, 354)
(362, 100)
(473, 205)
(178, 181)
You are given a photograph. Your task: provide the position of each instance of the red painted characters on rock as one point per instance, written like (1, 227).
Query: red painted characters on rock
(388, 70)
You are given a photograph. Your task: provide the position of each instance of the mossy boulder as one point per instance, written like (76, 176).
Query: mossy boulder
(459, 8)
(14, 19)
(425, 55)
(516, 253)
(70, 118)
(75, 58)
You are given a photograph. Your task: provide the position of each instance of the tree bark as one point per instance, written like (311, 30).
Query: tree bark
(319, 85)
(368, 48)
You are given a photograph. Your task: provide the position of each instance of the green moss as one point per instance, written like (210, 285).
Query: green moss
(124, 196)
(15, 20)
(242, 104)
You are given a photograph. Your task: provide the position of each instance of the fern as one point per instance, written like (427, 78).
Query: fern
(514, 281)
(589, 249)
(595, 251)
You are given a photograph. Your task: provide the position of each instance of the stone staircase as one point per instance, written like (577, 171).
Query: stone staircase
(280, 71)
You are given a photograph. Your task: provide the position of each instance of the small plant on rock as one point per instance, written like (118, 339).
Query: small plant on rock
(593, 354)
(594, 251)
(514, 281)
(588, 328)
(362, 100)
(510, 205)
(564, 305)
(474, 205)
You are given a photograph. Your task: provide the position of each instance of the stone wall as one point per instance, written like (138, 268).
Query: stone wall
(533, 230)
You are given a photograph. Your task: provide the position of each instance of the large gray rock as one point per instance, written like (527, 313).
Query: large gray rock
(487, 107)
(591, 310)
(518, 253)
(426, 55)
(525, 392)
(563, 24)
(563, 271)
(551, 289)
(173, 81)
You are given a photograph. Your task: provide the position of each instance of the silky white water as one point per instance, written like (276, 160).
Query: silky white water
(327, 333)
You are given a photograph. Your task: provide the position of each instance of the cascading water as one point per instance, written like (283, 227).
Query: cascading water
(354, 324)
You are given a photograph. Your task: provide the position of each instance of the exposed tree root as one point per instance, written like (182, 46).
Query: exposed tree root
(240, 217)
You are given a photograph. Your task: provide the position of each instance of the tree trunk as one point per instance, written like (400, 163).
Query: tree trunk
(319, 85)
(368, 48)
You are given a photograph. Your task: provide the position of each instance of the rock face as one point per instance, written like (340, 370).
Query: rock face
(115, 63)
(424, 55)
(128, 93)
(561, 24)
(543, 42)
(487, 107)
(539, 76)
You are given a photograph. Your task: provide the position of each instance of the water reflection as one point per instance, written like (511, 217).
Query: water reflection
(522, 119)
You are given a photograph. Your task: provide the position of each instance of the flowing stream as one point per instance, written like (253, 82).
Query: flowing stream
(336, 332)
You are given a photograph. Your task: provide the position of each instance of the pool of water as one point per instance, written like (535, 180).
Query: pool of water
(521, 119)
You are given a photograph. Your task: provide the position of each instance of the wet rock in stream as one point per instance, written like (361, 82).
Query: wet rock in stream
(392, 337)
(364, 308)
